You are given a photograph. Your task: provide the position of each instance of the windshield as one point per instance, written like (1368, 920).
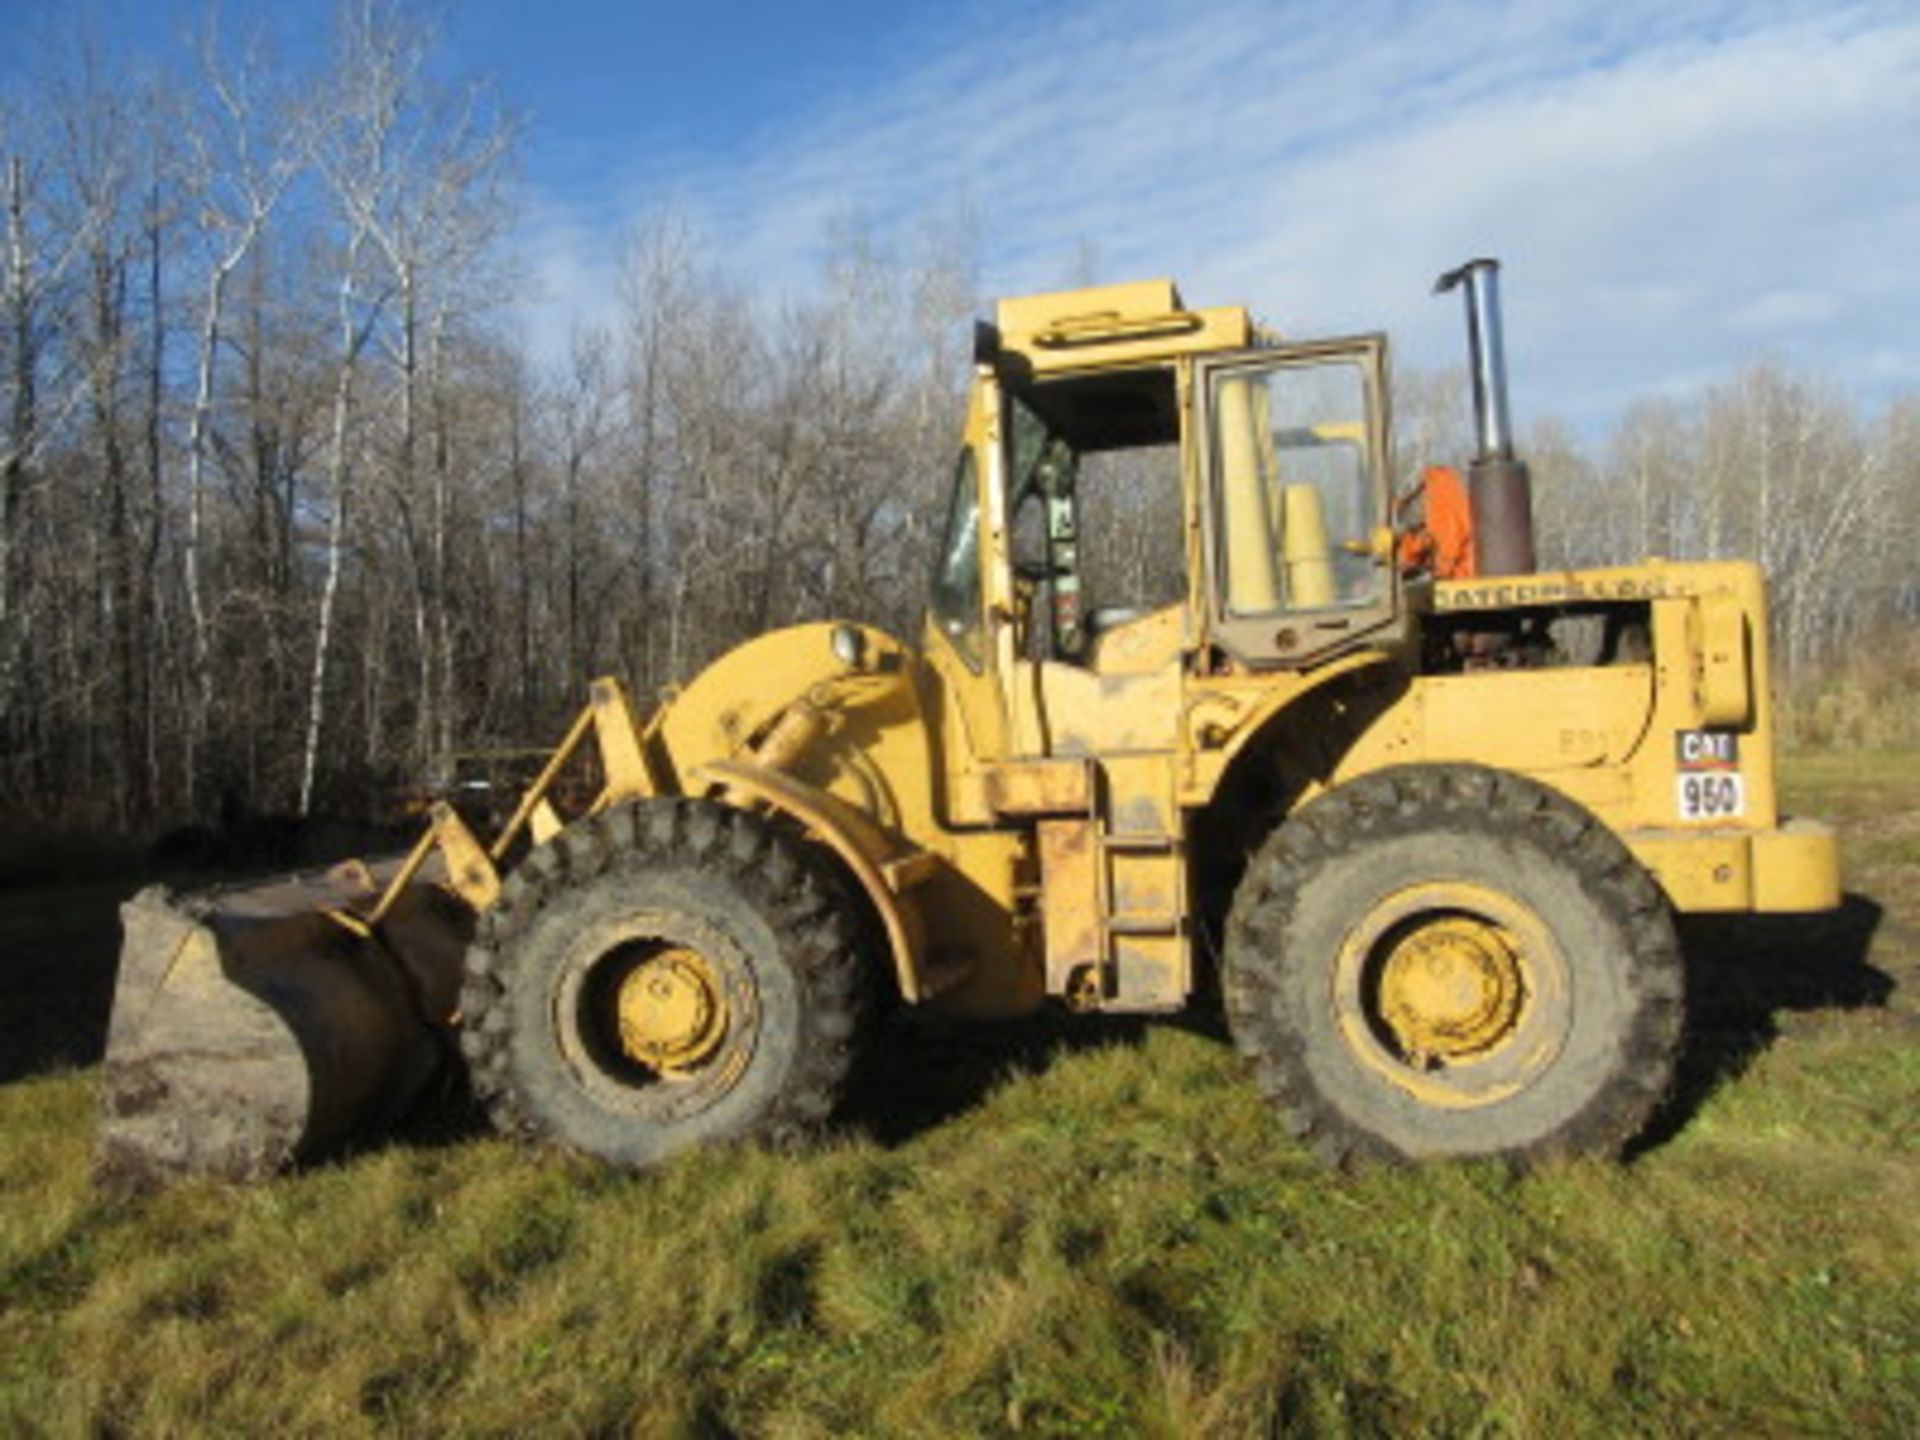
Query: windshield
(956, 576)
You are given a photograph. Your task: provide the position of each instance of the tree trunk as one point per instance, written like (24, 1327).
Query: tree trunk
(353, 336)
(442, 736)
(199, 423)
(21, 434)
(145, 589)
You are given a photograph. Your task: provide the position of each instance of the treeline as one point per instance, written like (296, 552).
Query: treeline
(290, 516)
(1770, 466)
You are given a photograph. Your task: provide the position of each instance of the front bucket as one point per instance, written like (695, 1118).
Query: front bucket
(251, 1030)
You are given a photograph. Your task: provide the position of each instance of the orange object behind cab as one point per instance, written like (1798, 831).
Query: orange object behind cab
(1442, 543)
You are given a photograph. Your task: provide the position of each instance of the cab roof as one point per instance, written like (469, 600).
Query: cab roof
(1142, 322)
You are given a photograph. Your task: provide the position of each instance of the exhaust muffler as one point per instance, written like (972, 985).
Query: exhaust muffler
(1499, 489)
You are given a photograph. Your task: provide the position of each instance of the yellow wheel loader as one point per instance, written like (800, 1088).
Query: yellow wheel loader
(1428, 837)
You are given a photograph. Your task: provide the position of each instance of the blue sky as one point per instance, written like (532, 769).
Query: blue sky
(1676, 189)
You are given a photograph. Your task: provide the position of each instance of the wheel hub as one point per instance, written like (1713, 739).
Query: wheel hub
(672, 1011)
(1451, 988)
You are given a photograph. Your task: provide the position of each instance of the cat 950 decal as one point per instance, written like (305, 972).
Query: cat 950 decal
(1709, 786)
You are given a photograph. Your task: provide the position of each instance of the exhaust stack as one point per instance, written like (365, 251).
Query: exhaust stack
(1499, 489)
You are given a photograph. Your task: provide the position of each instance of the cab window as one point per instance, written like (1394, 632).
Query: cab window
(956, 577)
(1094, 486)
(1296, 484)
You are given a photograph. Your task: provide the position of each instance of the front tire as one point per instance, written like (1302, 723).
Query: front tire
(667, 974)
(1451, 961)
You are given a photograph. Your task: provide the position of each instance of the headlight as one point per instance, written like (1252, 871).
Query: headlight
(849, 646)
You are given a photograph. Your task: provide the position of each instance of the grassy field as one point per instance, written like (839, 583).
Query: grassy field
(1054, 1229)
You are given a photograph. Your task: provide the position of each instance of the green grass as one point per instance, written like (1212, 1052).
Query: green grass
(1064, 1230)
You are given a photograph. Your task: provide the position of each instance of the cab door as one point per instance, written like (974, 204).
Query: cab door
(1296, 524)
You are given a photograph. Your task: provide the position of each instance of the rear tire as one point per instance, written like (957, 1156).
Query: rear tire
(1451, 961)
(667, 974)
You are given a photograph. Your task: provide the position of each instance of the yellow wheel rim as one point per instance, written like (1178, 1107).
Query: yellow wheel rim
(1451, 986)
(1455, 993)
(671, 1010)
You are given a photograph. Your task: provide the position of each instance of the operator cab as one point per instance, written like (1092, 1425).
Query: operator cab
(1167, 484)
(1152, 504)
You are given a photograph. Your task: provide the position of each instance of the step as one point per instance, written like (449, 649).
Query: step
(1136, 924)
(1139, 840)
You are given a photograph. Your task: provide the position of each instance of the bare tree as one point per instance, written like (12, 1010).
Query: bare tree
(249, 143)
(36, 267)
(268, 466)
(583, 404)
(433, 216)
(659, 287)
(356, 154)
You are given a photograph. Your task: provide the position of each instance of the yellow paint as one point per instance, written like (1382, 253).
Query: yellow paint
(1083, 712)
(1451, 986)
(622, 760)
(671, 1010)
(1453, 993)
(1041, 787)
(1024, 827)
(470, 869)
(1113, 325)
(1070, 877)
(1304, 543)
(1792, 869)
(1796, 868)
(1543, 719)
(1149, 645)
(1247, 480)
(1726, 686)
(876, 858)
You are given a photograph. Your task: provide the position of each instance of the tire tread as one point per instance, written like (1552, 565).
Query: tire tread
(773, 875)
(1405, 800)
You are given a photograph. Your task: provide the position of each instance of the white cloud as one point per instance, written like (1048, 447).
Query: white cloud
(570, 279)
(1777, 310)
(1674, 188)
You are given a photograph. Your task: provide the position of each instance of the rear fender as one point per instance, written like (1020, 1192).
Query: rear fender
(1225, 722)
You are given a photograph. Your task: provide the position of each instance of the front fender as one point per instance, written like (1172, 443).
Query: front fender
(718, 714)
(887, 867)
